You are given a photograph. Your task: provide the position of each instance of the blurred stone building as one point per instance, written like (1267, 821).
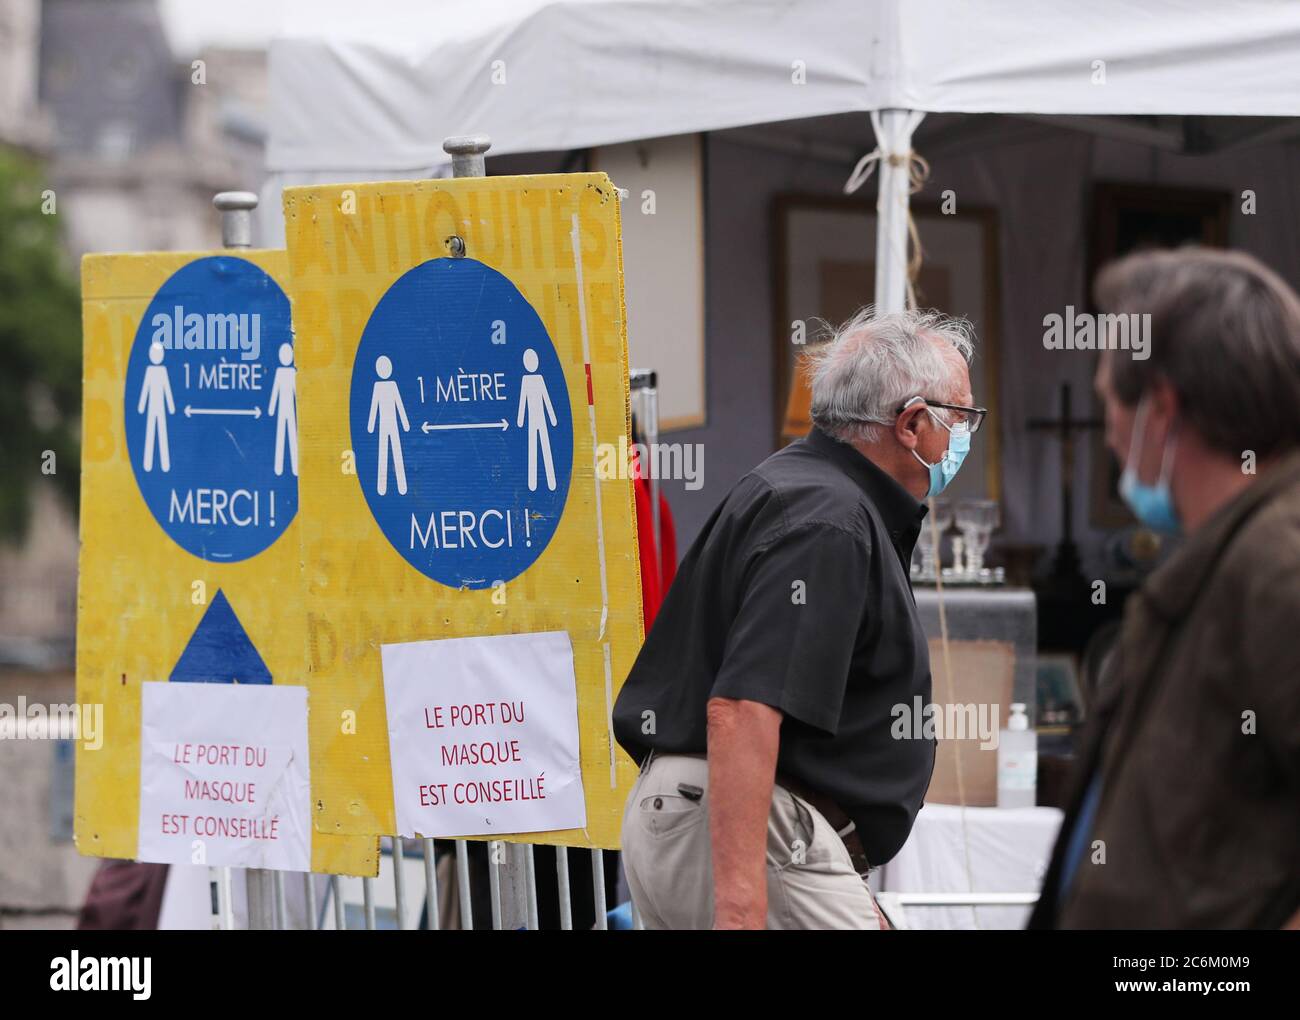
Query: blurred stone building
(135, 139)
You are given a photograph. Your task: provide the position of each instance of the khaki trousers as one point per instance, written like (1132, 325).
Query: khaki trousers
(811, 883)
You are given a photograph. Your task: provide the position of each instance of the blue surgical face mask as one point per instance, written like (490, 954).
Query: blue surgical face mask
(1153, 505)
(945, 469)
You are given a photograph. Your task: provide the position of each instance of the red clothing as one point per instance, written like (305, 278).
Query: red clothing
(650, 595)
(654, 583)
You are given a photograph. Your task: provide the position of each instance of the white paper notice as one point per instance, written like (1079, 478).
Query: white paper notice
(483, 735)
(224, 775)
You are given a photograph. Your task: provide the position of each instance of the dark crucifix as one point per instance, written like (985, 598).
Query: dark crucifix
(1066, 563)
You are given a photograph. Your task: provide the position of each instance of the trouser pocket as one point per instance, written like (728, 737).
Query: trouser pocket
(799, 836)
(669, 814)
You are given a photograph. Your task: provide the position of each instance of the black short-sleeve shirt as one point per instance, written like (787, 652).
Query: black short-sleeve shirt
(796, 594)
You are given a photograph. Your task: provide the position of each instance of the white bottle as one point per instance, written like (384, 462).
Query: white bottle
(1017, 761)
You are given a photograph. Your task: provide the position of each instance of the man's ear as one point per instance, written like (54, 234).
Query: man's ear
(908, 424)
(1162, 406)
(1163, 403)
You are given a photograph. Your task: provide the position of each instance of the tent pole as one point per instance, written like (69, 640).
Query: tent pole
(894, 140)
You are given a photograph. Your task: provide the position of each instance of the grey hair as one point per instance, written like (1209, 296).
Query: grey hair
(872, 364)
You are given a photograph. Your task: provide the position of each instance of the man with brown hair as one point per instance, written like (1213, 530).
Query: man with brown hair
(1185, 811)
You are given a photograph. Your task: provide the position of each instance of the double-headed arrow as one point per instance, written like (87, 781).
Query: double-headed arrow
(255, 412)
(502, 425)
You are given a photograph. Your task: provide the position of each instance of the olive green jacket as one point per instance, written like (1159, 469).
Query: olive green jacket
(1197, 736)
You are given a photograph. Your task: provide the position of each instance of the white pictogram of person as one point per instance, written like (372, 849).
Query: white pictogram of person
(535, 407)
(155, 404)
(285, 408)
(386, 405)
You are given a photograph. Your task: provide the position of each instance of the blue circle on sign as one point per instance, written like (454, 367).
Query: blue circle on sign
(461, 425)
(211, 411)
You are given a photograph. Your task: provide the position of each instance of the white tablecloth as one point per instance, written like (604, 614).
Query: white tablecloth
(1009, 852)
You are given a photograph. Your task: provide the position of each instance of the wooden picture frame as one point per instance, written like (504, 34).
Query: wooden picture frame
(824, 268)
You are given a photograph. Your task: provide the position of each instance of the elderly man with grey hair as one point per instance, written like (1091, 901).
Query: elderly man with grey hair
(760, 708)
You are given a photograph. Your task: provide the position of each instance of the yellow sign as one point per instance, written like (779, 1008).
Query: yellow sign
(189, 564)
(464, 395)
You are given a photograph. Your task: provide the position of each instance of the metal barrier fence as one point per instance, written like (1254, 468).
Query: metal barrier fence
(330, 907)
(326, 904)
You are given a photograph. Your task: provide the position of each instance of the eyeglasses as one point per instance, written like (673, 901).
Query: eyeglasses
(972, 416)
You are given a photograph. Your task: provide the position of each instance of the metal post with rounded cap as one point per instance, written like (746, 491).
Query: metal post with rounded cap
(236, 209)
(508, 862)
(467, 152)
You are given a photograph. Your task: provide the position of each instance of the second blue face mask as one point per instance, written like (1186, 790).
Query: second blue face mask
(1153, 505)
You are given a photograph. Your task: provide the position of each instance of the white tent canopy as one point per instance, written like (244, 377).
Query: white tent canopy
(373, 99)
(379, 94)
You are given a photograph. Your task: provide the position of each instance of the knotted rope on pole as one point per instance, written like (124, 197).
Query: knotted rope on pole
(918, 172)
